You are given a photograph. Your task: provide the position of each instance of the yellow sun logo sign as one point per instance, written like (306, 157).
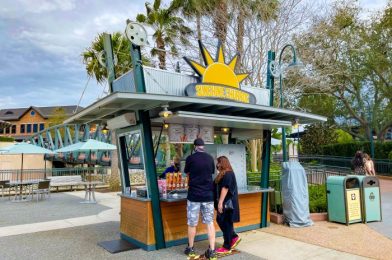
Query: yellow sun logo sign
(218, 79)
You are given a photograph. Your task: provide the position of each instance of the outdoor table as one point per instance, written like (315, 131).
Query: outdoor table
(90, 191)
(19, 194)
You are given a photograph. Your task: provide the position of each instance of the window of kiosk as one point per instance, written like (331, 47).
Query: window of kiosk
(133, 164)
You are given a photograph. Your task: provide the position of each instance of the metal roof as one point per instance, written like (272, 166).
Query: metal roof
(118, 103)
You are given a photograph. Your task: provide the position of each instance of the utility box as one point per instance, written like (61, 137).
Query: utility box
(344, 199)
(371, 198)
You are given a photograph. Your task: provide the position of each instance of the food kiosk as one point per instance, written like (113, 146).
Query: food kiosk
(147, 103)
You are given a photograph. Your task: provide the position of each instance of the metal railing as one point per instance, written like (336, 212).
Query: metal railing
(382, 167)
(34, 174)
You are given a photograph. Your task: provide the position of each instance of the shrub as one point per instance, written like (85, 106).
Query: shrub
(6, 139)
(381, 150)
(317, 198)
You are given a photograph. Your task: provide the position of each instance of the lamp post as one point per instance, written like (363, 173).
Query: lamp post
(277, 71)
(371, 135)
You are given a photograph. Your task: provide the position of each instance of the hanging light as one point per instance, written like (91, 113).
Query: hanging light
(166, 126)
(225, 130)
(105, 129)
(165, 113)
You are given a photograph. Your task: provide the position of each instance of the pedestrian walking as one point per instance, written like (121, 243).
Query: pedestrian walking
(358, 163)
(369, 165)
(227, 204)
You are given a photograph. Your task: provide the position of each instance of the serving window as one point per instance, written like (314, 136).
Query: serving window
(133, 164)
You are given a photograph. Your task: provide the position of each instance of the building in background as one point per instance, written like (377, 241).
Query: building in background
(27, 121)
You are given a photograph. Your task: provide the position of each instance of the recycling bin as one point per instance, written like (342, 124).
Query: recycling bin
(371, 198)
(344, 199)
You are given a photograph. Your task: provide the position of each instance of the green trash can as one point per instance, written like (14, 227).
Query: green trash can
(371, 198)
(344, 199)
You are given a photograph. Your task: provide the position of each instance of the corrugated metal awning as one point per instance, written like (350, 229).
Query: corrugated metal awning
(117, 103)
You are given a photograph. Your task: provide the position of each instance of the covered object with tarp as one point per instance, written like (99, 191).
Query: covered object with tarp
(295, 195)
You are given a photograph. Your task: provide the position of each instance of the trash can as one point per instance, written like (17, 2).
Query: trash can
(344, 199)
(371, 198)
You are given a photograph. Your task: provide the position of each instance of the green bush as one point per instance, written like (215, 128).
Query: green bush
(390, 155)
(317, 198)
(6, 139)
(381, 150)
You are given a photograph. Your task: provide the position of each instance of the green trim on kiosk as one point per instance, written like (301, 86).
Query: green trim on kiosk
(184, 241)
(151, 175)
(265, 170)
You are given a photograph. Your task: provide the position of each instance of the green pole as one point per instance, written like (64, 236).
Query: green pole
(371, 136)
(265, 158)
(148, 150)
(107, 46)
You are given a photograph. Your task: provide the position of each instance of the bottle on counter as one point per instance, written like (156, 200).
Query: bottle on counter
(168, 181)
(179, 180)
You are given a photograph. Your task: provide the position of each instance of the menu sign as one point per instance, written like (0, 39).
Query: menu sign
(191, 133)
(176, 133)
(188, 133)
(207, 134)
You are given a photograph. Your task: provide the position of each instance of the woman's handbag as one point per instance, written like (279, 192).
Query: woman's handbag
(229, 204)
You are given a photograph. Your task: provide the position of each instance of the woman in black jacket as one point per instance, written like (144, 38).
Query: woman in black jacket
(226, 204)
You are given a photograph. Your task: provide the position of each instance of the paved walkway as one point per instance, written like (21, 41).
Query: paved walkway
(385, 227)
(77, 237)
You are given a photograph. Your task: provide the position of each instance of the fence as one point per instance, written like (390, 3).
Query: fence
(34, 174)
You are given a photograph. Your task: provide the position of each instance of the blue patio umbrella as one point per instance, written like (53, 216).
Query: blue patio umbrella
(24, 148)
(87, 146)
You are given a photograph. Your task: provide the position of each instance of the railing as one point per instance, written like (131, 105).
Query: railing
(34, 174)
(382, 167)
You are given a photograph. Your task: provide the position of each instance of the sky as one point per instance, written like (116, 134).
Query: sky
(41, 42)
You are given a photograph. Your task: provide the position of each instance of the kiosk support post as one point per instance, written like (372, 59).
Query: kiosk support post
(152, 185)
(148, 150)
(267, 146)
(107, 45)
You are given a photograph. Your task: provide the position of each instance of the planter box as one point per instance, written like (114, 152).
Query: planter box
(278, 218)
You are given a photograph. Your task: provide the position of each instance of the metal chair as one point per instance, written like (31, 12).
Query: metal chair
(5, 185)
(42, 189)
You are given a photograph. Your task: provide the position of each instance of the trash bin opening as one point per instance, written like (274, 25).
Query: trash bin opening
(352, 183)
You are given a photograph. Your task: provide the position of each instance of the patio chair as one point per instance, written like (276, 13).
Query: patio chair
(42, 189)
(5, 185)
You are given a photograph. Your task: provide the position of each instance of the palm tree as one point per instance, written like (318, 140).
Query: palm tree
(167, 27)
(264, 10)
(121, 48)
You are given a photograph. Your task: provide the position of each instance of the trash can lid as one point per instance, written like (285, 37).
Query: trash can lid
(370, 181)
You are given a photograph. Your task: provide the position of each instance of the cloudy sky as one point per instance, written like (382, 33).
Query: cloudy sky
(41, 42)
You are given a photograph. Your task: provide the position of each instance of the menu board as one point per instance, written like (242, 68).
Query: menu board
(176, 133)
(207, 134)
(188, 133)
(191, 133)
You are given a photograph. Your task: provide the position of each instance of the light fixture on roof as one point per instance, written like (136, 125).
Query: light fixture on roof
(105, 129)
(225, 130)
(165, 113)
(166, 126)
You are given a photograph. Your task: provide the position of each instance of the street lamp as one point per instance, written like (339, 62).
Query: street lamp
(277, 70)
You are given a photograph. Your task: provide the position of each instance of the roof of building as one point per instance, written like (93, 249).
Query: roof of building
(45, 112)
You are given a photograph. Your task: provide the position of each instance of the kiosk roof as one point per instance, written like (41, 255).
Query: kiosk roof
(118, 103)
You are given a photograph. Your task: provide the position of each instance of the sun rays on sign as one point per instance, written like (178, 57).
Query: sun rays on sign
(218, 79)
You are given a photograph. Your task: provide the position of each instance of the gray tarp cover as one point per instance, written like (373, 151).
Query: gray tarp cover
(295, 195)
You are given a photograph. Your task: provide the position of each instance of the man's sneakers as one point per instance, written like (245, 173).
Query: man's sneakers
(190, 251)
(235, 241)
(223, 251)
(211, 254)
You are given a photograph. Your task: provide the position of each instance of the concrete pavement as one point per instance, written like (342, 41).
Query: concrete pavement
(76, 237)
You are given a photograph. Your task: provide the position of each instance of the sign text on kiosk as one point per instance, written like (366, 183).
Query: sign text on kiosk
(218, 79)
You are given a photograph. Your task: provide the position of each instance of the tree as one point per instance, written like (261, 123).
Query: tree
(121, 47)
(350, 60)
(316, 136)
(167, 29)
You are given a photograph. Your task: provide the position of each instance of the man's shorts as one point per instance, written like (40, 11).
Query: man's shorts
(193, 209)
